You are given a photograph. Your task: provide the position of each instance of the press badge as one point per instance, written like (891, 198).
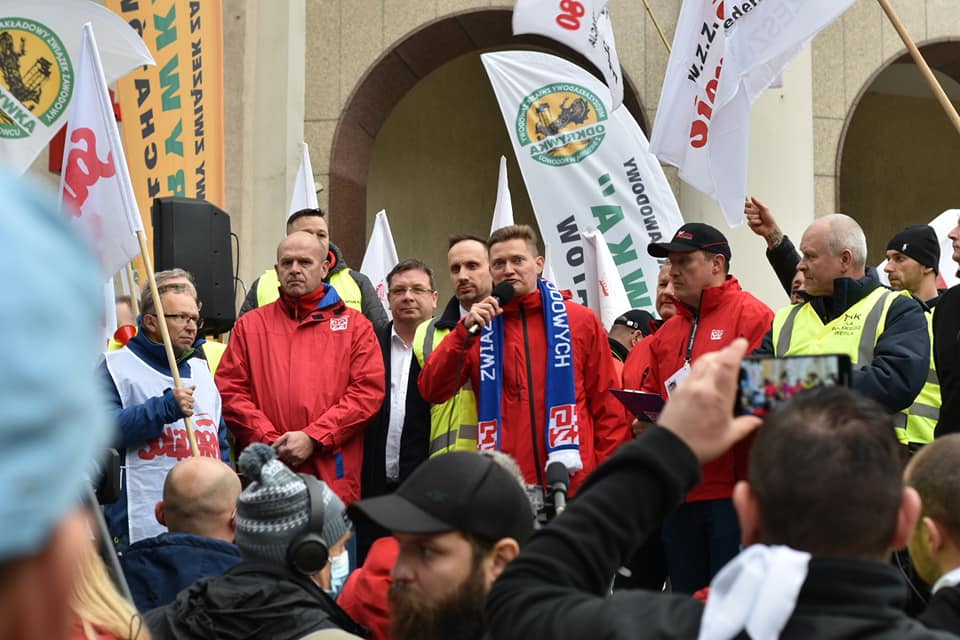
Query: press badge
(679, 376)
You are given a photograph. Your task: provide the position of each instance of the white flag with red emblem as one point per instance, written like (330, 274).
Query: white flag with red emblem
(609, 299)
(40, 43)
(582, 25)
(380, 257)
(95, 184)
(304, 189)
(503, 209)
(724, 55)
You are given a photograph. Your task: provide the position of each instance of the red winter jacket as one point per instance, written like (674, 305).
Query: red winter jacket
(602, 428)
(318, 370)
(726, 312)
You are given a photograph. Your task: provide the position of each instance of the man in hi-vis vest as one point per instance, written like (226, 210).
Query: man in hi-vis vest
(354, 288)
(913, 259)
(149, 412)
(847, 310)
(453, 424)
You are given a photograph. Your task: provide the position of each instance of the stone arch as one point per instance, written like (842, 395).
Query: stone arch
(389, 79)
(893, 127)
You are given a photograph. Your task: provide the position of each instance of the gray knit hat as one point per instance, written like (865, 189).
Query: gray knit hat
(273, 509)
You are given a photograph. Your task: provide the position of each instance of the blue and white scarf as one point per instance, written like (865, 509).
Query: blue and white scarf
(562, 434)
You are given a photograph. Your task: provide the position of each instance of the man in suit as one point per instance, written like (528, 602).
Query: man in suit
(397, 440)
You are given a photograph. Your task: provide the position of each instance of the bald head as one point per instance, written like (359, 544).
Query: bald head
(301, 263)
(832, 247)
(200, 497)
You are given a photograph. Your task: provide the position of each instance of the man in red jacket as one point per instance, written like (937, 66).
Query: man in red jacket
(712, 311)
(541, 369)
(304, 374)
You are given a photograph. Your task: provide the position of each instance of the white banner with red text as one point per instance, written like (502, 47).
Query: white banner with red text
(724, 55)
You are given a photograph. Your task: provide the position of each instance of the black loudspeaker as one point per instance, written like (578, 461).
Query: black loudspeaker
(195, 235)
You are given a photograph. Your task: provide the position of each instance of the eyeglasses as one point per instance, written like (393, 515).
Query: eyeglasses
(398, 292)
(182, 319)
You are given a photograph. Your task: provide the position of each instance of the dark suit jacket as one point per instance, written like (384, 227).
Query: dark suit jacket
(414, 442)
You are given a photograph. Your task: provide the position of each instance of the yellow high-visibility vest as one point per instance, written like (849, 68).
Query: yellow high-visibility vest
(453, 424)
(798, 330)
(268, 288)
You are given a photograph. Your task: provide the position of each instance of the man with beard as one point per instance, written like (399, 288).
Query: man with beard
(459, 519)
(453, 424)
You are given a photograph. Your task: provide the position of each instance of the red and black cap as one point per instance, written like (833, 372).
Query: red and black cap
(692, 236)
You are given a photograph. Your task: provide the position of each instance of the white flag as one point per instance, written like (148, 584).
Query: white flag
(548, 272)
(95, 184)
(380, 257)
(611, 299)
(304, 189)
(40, 43)
(503, 210)
(724, 55)
(584, 167)
(942, 225)
(582, 25)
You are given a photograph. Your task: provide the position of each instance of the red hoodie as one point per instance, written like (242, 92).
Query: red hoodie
(311, 366)
(600, 419)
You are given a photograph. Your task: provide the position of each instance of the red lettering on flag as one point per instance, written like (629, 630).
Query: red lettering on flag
(84, 169)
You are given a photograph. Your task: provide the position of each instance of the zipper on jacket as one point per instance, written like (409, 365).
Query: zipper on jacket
(533, 410)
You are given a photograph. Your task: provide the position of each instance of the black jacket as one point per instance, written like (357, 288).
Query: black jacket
(901, 357)
(250, 601)
(414, 441)
(946, 356)
(557, 588)
(943, 610)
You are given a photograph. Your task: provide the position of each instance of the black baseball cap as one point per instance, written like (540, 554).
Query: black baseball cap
(456, 491)
(918, 241)
(636, 319)
(692, 236)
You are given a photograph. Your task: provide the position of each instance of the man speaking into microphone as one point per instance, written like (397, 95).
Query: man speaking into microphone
(540, 367)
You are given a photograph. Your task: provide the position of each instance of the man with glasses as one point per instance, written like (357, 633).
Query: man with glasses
(398, 439)
(149, 411)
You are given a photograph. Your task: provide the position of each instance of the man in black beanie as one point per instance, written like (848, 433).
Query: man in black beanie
(913, 259)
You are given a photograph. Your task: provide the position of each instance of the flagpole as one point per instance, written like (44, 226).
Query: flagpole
(922, 64)
(167, 345)
(134, 291)
(657, 25)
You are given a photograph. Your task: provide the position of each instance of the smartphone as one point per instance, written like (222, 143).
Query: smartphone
(767, 382)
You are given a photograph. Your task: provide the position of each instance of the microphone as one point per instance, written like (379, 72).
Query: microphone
(504, 293)
(558, 481)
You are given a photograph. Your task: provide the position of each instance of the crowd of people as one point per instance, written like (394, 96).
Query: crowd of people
(335, 471)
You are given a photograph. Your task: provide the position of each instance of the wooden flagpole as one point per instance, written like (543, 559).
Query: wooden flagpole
(167, 345)
(134, 291)
(922, 64)
(657, 25)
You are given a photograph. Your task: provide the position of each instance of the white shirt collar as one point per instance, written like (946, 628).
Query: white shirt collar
(949, 579)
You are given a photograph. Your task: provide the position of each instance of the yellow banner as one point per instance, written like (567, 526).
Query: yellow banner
(172, 113)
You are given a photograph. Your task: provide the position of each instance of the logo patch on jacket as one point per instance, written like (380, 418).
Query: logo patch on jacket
(716, 334)
(339, 324)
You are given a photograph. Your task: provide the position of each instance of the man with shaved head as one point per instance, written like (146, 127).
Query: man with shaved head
(199, 508)
(304, 374)
(847, 310)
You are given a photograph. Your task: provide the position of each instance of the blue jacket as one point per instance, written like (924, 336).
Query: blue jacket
(144, 422)
(158, 568)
